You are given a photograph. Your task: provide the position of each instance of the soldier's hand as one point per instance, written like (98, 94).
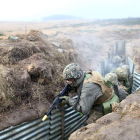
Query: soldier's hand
(122, 87)
(64, 99)
(125, 88)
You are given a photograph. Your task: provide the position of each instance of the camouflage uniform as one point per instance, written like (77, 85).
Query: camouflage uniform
(116, 59)
(111, 79)
(130, 77)
(124, 83)
(90, 92)
(116, 62)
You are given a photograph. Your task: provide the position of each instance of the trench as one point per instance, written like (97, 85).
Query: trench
(59, 125)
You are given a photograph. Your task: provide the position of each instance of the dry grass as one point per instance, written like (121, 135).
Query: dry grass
(51, 27)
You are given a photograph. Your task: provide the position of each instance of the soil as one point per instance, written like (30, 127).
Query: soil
(31, 76)
(31, 68)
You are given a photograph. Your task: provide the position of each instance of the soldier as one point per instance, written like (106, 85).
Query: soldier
(95, 91)
(116, 62)
(130, 77)
(119, 90)
(116, 59)
(123, 75)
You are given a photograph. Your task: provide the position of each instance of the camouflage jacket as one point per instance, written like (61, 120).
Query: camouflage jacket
(125, 83)
(89, 94)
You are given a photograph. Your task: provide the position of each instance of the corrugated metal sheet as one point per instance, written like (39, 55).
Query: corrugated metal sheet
(131, 65)
(101, 68)
(51, 129)
(47, 130)
(136, 82)
(136, 76)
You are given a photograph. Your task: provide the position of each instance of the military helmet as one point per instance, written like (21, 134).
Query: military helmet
(72, 71)
(121, 73)
(126, 67)
(116, 59)
(112, 78)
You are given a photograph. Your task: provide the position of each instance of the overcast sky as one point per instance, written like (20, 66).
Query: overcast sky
(90, 9)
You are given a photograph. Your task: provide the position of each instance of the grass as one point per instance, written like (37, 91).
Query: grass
(1, 34)
(55, 26)
(87, 31)
(9, 31)
(130, 30)
(105, 22)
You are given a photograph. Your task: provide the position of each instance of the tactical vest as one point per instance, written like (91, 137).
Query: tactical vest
(98, 79)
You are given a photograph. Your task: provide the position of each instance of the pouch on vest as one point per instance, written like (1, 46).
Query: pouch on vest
(108, 105)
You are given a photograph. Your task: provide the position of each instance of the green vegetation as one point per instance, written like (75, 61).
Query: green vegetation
(9, 31)
(134, 30)
(126, 21)
(130, 30)
(1, 34)
(105, 22)
(55, 26)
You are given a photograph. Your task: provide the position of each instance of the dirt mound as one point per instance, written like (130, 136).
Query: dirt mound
(122, 124)
(35, 35)
(33, 69)
(16, 52)
(30, 78)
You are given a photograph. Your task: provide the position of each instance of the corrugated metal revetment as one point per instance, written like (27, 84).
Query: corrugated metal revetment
(59, 125)
(131, 65)
(136, 82)
(51, 129)
(136, 76)
(101, 68)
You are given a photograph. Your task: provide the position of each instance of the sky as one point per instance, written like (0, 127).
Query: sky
(29, 10)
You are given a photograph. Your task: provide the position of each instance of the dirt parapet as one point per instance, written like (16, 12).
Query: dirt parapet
(30, 77)
(35, 35)
(122, 123)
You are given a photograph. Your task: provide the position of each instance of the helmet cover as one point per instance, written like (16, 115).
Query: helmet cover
(116, 59)
(112, 78)
(72, 71)
(121, 73)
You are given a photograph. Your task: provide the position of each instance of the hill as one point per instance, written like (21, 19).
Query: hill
(61, 17)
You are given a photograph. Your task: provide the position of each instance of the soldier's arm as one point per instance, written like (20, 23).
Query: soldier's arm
(89, 94)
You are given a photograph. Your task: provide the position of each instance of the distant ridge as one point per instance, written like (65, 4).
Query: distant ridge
(60, 17)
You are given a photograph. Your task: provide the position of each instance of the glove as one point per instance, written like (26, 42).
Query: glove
(122, 87)
(64, 99)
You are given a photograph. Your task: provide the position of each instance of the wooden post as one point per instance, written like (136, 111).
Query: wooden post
(62, 121)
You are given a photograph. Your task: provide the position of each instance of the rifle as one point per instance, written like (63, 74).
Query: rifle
(64, 92)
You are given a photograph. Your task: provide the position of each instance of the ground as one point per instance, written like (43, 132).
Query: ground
(31, 68)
